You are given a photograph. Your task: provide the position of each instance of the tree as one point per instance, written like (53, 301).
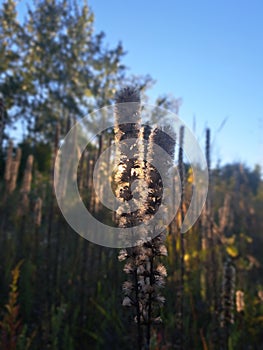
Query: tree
(56, 65)
(12, 79)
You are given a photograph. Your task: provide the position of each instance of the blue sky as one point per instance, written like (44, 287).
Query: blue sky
(209, 53)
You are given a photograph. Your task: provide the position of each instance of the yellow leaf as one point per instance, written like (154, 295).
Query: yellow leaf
(230, 240)
(186, 257)
(232, 251)
(246, 238)
(190, 178)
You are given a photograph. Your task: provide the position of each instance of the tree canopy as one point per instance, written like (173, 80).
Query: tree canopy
(55, 66)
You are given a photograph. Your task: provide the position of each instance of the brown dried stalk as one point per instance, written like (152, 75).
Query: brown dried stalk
(11, 169)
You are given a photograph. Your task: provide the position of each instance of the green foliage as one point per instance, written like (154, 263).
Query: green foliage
(55, 67)
(42, 153)
(24, 341)
(57, 315)
(13, 332)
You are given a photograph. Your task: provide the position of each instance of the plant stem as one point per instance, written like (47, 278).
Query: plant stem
(148, 337)
(139, 330)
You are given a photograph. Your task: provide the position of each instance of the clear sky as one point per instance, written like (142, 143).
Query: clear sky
(209, 53)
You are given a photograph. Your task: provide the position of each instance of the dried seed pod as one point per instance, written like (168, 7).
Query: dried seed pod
(26, 184)
(9, 160)
(38, 211)
(240, 303)
(14, 171)
(127, 106)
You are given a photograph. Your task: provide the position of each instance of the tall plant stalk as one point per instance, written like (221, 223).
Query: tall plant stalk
(227, 302)
(180, 293)
(146, 274)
